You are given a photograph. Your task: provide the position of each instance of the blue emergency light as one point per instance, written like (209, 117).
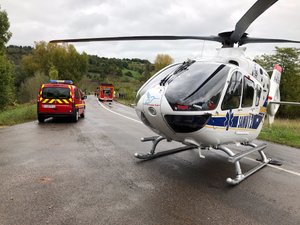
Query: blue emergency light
(61, 82)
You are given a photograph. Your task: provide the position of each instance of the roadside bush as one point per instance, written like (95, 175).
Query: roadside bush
(29, 88)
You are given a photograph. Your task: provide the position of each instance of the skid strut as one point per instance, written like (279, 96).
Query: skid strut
(235, 158)
(152, 154)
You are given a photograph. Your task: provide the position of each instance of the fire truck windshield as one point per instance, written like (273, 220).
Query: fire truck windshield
(56, 92)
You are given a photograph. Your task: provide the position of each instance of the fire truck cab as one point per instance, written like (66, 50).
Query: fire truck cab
(106, 92)
(60, 98)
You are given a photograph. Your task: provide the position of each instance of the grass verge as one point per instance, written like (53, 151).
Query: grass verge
(282, 131)
(18, 114)
(125, 101)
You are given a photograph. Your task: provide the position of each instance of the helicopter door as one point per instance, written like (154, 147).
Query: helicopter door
(232, 100)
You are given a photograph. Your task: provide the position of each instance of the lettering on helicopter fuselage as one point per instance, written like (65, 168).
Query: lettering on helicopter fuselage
(249, 122)
(231, 121)
(152, 105)
(245, 122)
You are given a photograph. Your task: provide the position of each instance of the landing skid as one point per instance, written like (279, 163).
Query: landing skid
(235, 158)
(152, 154)
(232, 157)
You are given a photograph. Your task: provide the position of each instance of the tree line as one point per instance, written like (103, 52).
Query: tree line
(33, 66)
(289, 60)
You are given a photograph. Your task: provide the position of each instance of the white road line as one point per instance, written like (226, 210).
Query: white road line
(278, 168)
(103, 106)
(275, 167)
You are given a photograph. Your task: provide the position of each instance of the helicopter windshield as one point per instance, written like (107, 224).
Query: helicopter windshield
(197, 88)
(156, 79)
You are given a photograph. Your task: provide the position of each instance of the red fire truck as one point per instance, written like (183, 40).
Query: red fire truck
(60, 98)
(106, 92)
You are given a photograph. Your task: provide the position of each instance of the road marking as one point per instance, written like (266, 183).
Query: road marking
(278, 168)
(103, 106)
(275, 167)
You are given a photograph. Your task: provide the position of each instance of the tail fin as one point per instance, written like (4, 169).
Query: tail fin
(274, 93)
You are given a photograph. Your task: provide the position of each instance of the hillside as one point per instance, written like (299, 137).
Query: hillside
(126, 74)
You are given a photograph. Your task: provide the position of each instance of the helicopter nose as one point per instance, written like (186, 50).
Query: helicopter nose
(149, 110)
(149, 104)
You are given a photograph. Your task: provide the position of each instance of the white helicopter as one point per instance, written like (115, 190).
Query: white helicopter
(208, 104)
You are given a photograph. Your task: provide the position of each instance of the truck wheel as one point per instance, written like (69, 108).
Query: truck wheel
(75, 116)
(82, 115)
(41, 119)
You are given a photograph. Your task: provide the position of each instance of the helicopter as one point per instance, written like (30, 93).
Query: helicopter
(210, 103)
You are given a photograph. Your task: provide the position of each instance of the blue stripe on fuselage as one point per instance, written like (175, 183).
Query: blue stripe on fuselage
(247, 122)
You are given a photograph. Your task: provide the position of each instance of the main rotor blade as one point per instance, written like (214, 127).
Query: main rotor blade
(254, 12)
(143, 38)
(249, 40)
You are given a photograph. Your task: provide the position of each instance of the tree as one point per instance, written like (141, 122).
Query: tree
(4, 32)
(61, 61)
(289, 59)
(6, 76)
(148, 72)
(53, 73)
(15, 54)
(6, 82)
(161, 61)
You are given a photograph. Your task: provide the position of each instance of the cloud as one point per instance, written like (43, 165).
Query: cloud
(37, 20)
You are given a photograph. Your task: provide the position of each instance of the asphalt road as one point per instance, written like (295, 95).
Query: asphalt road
(85, 173)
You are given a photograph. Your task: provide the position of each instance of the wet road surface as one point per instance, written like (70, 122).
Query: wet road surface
(85, 173)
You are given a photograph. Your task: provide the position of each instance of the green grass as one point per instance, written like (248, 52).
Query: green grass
(135, 74)
(127, 102)
(282, 131)
(18, 114)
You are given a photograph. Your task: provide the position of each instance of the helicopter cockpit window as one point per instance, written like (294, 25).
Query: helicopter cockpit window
(248, 93)
(156, 79)
(197, 88)
(233, 93)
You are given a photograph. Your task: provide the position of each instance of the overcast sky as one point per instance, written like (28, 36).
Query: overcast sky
(41, 20)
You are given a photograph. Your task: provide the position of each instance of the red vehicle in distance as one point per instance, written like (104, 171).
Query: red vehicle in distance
(106, 92)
